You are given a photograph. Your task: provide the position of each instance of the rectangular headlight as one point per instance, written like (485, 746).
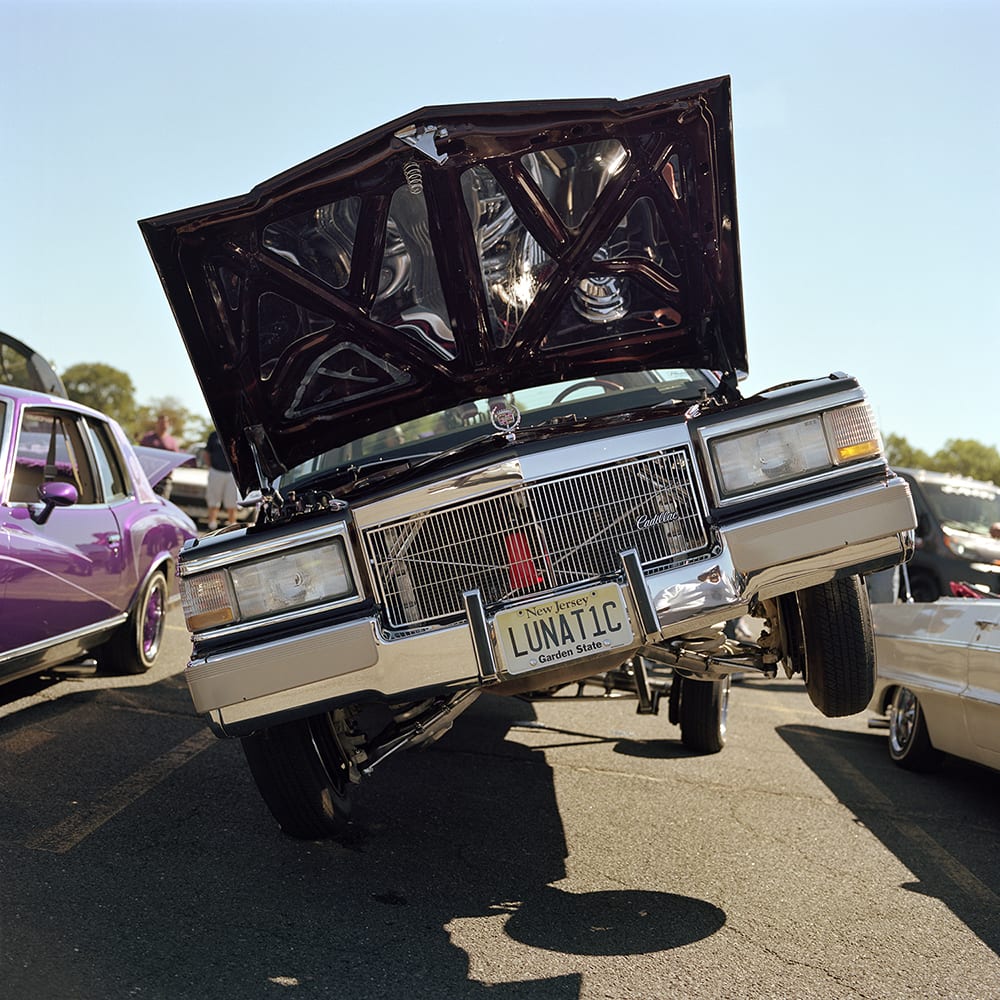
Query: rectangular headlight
(794, 449)
(772, 454)
(271, 585)
(290, 580)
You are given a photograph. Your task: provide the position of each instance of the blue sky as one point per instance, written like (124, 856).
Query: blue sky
(867, 156)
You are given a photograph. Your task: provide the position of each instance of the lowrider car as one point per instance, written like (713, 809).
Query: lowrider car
(939, 680)
(87, 548)
(481, 366)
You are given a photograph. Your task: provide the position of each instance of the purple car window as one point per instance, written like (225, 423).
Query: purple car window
(50, 449)
(109, 467)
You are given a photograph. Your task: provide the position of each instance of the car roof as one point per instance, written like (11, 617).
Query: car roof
(34, 398)
(930, 476)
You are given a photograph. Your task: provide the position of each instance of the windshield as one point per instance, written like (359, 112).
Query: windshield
(967, 506)
(572, 401)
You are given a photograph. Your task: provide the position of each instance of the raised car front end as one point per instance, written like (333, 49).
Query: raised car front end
(547, 561)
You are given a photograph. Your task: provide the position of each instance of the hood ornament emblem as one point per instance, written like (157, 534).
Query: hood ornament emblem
(506, 418)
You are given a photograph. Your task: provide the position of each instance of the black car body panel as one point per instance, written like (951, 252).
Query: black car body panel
(955, 543)
(23, 366)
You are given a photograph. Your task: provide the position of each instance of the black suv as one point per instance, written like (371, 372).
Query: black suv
(958, 523)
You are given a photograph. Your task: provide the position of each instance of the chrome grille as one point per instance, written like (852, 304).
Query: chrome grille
(537, 536)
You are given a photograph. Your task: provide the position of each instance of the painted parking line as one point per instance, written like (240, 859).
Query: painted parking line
(871, 796)
(25, 741)
(67, 833)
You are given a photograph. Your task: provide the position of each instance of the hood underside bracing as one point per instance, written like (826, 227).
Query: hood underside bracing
(458, 253)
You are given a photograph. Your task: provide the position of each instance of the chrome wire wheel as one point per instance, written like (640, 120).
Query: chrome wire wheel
(133, 649)
(909, 742)
(902, 720)
(152, 619)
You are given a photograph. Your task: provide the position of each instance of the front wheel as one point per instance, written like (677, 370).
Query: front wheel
(909, 742)
(134, 648)
(838, 646)
(924, 588)
(303, 774)
(703, 709)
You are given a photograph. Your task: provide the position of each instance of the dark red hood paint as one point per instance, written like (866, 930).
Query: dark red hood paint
(299, 351)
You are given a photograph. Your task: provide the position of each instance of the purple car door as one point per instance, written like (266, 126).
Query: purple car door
(65, 574)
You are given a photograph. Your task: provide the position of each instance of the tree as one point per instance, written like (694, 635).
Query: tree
(110, 390)
(104, 388)
(959, 457)
(196, 431)
(969, 458)
(901, 454)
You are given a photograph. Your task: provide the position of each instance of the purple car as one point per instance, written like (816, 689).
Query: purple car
(87, 549)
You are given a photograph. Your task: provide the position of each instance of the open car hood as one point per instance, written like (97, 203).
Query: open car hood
(458, 253)
(24, 367)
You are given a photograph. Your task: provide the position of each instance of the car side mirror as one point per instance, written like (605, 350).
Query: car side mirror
(53, 495)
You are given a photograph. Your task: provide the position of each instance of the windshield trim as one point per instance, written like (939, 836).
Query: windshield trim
(583, 404)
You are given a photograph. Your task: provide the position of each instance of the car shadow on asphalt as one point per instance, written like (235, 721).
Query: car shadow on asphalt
(449, 886)
(936, 824)
(34, 684)
(656, 749)
(486, 840)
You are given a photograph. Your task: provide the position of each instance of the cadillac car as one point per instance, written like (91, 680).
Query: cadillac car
(480, 369)
(87, 548)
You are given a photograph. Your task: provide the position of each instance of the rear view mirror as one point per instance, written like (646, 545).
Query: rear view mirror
(53, 495)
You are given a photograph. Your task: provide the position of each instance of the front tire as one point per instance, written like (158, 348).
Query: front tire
(924, 588)
(303, 774)
(134, 648)
(838, 646)
(909, 742)
(703, 710)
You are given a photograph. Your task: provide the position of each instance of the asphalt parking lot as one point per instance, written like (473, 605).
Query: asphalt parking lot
(561, 848)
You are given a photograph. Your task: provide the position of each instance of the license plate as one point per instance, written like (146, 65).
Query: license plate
(561, 629)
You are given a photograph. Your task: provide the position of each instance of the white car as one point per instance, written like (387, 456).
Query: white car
(938, 680)
(189, 490)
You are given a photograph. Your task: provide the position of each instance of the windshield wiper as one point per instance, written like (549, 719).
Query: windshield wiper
(374, 472)
(482, 442)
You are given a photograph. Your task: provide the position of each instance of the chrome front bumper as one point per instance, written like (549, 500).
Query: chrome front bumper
(760, 557)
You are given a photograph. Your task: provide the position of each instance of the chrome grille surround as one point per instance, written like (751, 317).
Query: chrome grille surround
(537, 536)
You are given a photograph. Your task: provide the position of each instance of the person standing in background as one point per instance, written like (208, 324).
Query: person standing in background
(221, 492)
(160, 437)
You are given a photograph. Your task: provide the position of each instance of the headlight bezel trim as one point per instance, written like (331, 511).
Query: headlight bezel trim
(223, 560)
(710, 433)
